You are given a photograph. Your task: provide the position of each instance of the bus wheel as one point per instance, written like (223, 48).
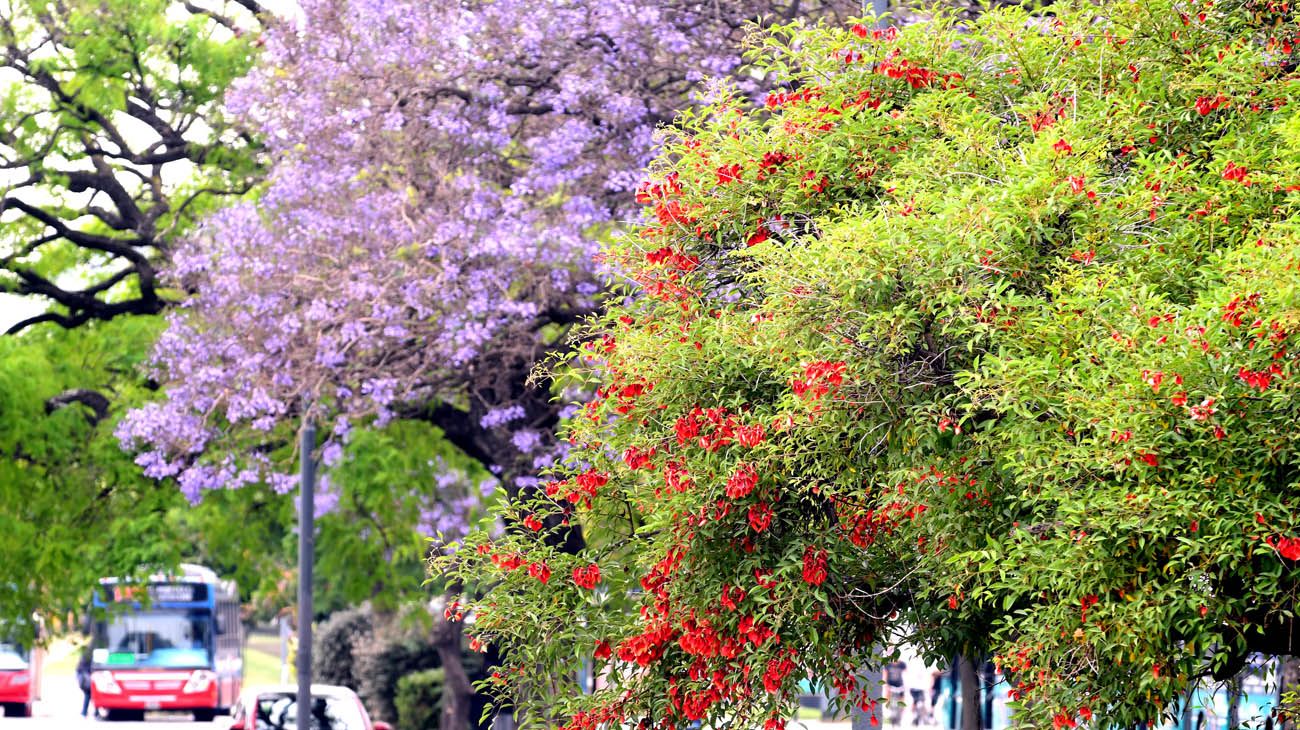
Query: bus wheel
(14, 709)
(204, 715)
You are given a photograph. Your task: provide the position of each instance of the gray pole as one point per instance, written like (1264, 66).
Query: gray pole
(306, 551)
(880, 7)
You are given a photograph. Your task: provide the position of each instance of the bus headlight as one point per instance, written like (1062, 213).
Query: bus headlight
(105, 684)
(199, 681)
(19, 679)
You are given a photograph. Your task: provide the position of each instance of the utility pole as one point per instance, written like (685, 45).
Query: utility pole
(306, 554)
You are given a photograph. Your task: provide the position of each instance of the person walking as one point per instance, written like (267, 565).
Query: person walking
(83, 680)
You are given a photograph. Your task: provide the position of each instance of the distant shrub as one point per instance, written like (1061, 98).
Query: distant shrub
(334, 660)
(400, 647)
(418, 700)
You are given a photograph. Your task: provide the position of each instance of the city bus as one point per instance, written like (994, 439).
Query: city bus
(172, 643)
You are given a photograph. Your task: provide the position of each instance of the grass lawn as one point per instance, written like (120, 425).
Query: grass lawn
(262, 667)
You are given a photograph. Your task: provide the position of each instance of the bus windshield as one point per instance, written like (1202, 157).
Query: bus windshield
(173, 639)
(12, 657)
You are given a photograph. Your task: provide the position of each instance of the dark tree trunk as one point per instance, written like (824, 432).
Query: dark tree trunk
(970, 694)
(457, 692)
(1289, 683)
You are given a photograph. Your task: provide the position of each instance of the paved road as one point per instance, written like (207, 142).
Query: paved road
(60, 709)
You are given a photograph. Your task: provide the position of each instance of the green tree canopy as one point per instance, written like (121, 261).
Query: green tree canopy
(113, 142)
(979, 335)
(73, 507)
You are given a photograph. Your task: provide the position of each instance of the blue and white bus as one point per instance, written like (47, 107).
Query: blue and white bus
(173, 643)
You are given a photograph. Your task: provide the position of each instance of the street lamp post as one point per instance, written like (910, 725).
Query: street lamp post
(306, 553)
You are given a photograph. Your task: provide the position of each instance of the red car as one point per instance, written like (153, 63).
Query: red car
(276, 708)
(17, 681)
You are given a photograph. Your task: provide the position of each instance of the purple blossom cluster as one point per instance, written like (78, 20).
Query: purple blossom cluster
(442, 175)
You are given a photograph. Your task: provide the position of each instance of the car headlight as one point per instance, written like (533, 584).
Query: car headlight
(199, 681)
(105, 684)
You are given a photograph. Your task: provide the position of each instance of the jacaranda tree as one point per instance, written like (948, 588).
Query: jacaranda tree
(441, 175)
(980, 335)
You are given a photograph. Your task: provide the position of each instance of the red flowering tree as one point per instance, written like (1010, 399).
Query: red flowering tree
(981, 334)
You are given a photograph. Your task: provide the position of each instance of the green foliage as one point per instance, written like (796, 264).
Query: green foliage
(73, 508)
(981, 336)
(419, 700)
(392, 483)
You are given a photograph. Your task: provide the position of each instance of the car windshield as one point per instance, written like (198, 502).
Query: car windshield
(173, 639)
(12, 657)
(279, 711)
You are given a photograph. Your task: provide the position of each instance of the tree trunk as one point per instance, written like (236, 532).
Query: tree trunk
(456, 689)
(970, 694)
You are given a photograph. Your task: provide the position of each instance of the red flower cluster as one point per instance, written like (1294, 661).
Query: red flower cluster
(1287, 547)
(699, 638)
(1236, 174)
(814, 566)
(1086, 603)
(731, 597)
(626, 395)
(1153, 378)
(649, 192)
(1260, 379)
(636, 458)
(507, 562)
(540, 571)
(587, 577)
(672, 259)
(750, 436)
(742, 482)
(818, 379)
(645, 648)
(915, 76)
(760, 517)
(1235, 311)
(676, 478)
(1206, 104)
(713, 427)
(778, 668)
(773, 160)
(583, 489)
(783, 98)
(728, 174)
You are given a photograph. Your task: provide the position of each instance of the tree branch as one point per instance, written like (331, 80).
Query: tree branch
(97, 402)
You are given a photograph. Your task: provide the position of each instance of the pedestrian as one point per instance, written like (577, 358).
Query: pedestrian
(917, 678)
(83, 680)
(894, 692)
